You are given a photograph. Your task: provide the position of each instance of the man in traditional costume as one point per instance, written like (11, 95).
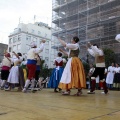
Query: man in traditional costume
(31, 64)
(95, 51)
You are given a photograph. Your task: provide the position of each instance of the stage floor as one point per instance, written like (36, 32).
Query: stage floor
(47, 105)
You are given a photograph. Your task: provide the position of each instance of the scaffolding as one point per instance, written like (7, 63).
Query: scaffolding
(97, 21)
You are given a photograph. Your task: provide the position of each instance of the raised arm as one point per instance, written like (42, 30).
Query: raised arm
(16, 55)
(62, 42)
(64, 52)
(40, 49)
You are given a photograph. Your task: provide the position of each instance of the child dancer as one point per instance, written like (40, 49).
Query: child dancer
(57, 72)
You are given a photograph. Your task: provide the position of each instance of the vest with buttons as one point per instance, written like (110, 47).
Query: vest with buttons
(99, 59)
(74, 53)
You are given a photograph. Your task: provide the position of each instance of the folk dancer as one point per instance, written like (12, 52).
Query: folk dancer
(31, 64)
(110, 76)
(73, 75)
(95, 51)
(6, 65)
(57, 72)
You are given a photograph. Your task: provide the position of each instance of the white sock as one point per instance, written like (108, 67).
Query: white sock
(27, 83)
(3, 83)
(39, 83)
(32, 83)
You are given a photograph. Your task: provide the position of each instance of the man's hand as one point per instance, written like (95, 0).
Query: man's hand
(89, 45)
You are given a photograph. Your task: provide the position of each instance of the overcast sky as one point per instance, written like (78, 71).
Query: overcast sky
(11, 11)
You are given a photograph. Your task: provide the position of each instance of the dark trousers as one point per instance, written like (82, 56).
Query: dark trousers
(98, 71)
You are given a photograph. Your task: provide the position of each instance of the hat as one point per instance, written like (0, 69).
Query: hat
(33, 44)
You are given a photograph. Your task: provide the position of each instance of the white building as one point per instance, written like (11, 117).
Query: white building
(24, 34)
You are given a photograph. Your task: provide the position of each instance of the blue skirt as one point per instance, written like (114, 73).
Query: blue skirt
(55, 77)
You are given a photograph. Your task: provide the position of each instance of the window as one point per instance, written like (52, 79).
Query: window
(28, 37)
(27, 47)
(14, 39)
(10, 49)
(45, 35)
(39, 32)
(14, 47)
(33, 31)
(10, 40)
(46, 59)
(46, 50)
(19, 37)
(35, 39)
(47, 42)
(19, 46)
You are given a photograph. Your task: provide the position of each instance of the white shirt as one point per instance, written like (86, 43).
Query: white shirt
(6, 62)
(117, 70)
(111, 69)
(71, 46)
(96, 51)
(32, 52)
(59, 59)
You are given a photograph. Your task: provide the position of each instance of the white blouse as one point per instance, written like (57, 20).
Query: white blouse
(117, 70)
(71, 46)
(94, 51)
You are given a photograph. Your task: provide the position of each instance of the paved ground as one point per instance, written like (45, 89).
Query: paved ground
(47, 105)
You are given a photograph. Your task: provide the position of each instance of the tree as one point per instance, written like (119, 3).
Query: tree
(109, 56)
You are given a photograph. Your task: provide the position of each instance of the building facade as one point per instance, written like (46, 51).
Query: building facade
(3, 48)
(97, 21)
(24, 34)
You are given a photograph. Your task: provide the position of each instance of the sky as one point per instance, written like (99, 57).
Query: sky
(14, 11)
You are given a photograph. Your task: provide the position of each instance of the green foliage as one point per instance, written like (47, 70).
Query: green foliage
(42, 63)
(86, 68)
(109, 56)
(45, 72)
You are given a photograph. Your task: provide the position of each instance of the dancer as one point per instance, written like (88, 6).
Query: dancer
(110, 76)
(57, 72)
(90, 74)
(31, 64)
(37, 72)
(15, 73)
(6, 64)
(116, 82)
(73, 75)
(95, 51)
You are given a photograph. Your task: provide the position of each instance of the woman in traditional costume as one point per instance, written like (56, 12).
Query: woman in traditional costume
(16, 74)
(57, 72)
(110, 76)
(116, 81)
(73, 75)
